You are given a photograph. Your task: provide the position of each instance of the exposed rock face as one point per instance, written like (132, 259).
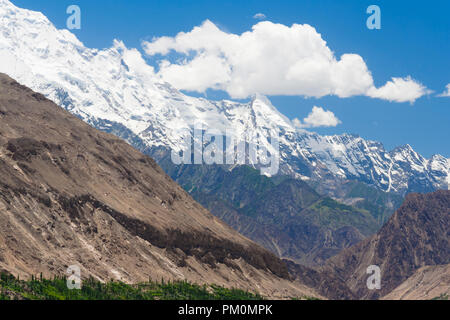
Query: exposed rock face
(417, 235)
(72, 195)
(325, 282)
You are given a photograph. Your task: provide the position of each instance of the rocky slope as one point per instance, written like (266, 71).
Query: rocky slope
(72, 195)
(284, 215)
(431, 282)
(116, 91)
(416, 236)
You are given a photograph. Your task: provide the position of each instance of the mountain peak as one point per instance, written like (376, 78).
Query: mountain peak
(404, 150)
(262, 103)
(4, 3)
(406, 147)
(264, 110)
(261, 98)
(13, 12)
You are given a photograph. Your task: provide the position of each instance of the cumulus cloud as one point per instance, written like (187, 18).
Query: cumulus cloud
(318, 117)
(400, 90)
(272, 59)
(259, 16)
(446, 92)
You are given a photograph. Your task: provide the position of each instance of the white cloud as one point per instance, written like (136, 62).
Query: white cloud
(318, 117)
(400, 90)
(446, 92)
(272, 59)
(259, 16)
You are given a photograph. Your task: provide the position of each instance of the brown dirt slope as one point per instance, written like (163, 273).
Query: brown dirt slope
(426, 283)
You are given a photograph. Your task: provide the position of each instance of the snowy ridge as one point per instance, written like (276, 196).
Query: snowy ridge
(117, 85)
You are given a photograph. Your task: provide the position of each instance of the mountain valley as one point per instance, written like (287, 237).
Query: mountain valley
(87, 178)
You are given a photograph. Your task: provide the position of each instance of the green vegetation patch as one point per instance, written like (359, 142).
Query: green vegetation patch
(443, 296)
(332, 214)
(12, 288)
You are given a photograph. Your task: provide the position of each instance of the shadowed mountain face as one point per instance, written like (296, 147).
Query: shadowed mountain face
(71, 195)
(284, 215)
(417, 235)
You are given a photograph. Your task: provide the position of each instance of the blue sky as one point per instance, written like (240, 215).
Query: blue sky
(413, 40)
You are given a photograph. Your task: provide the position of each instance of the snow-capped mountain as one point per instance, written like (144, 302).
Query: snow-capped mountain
(116, 89)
